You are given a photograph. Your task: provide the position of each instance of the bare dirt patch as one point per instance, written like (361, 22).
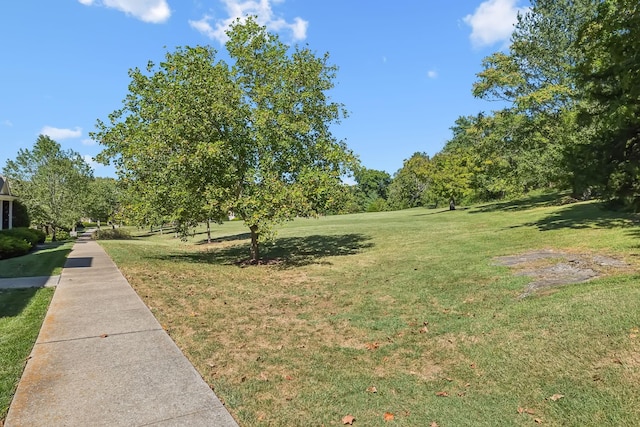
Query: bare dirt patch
(550, 268)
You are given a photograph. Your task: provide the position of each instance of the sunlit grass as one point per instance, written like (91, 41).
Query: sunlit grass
(410, 303)
(47, 261)
(21, 314)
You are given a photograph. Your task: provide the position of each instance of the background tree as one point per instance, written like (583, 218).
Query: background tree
(52, 183)
(103, 200)
(372, 188)
(410, 184)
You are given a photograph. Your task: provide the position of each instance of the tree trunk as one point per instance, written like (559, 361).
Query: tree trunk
(255, 253)
(209, 231)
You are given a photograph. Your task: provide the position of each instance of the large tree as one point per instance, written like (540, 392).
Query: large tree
(51, 182)
(534, 78)
(609, 82)
(197, 137)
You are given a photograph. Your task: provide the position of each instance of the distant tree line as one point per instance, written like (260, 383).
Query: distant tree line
(571, 85)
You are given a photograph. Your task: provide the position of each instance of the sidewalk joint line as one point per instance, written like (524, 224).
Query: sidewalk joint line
(100, 336)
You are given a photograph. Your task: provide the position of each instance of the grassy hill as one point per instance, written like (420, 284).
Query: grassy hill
(407, 315)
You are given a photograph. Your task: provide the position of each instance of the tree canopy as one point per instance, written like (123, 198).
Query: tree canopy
(198, 138)
(52, 183)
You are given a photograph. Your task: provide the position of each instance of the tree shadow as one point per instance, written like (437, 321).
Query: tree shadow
(543, 200)
(585, 215)
(232, 238)
(287, 252)
(13, 301)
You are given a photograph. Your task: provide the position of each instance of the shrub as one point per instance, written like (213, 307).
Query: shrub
(28, 234)
(12, 246)
(111, 234)
(62, 234)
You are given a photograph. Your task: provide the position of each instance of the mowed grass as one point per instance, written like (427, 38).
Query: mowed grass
(46, 261)
(21, 314)
(404, 313)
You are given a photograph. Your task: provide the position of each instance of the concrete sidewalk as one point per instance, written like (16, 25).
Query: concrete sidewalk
(102, 359)
(30, 282)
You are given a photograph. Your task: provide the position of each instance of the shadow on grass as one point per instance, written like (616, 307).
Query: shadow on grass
(586, 215)
(13, 301)
(232, 238)
(42, 261)
(543, 200)
(286, 252)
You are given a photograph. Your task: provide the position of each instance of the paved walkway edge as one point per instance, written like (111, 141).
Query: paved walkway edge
(102, 359)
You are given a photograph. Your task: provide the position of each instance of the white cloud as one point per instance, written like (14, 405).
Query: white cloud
(154, 11)
(493, 21)
(432, 74)
(215, 29)
(88, 141)
(57, 133)
(89, 160)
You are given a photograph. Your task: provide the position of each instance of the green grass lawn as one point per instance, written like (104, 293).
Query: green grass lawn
(404, 313)
(47, 261)
(21, 314)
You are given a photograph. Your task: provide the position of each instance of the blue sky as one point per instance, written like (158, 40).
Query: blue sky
(405, 68)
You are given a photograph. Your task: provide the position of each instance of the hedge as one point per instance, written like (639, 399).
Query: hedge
(19, 241)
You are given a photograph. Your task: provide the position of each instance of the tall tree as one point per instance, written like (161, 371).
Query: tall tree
(51, 182)
(535, 79)
(286, 153)
(171, 141)
(609, 79)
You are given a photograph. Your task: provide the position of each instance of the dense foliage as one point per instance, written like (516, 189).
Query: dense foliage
(51, 182)
(569, 84)
(198, 139)
(19, 241)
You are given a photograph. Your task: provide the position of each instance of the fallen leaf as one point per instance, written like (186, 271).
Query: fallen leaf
(348, 419)
(388, 416)
(618, 361)
(520, 410)
(473, 366)
(372, 389)
(556, 396)
(288, 377)
(538, 420)
(104, 335)
(529, 411)
(442, 394)
(633, 336)
(424, 330)
(467, 385)
(449, 379)
(434, 424)
(372, 345)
